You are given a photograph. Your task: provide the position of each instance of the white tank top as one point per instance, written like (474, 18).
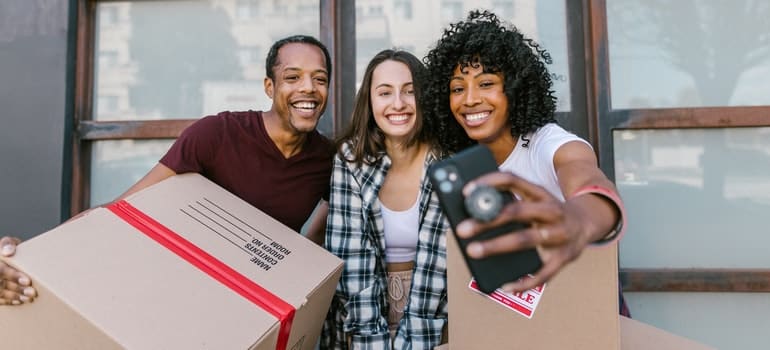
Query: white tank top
(400, 233)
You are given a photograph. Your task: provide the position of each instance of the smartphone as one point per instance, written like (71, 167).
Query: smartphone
(448, 177)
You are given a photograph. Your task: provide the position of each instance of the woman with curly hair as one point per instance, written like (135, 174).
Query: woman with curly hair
(384, 221)
(488, 84)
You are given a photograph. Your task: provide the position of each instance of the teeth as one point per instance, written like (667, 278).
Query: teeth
(305, 105)
(476, 116)
(398, 117)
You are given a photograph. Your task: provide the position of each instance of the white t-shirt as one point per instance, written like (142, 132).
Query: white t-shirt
(533, 159)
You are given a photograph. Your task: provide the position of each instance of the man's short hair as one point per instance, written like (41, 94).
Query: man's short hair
(272, 55)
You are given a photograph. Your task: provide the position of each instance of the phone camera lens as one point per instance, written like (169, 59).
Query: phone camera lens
(440, 174)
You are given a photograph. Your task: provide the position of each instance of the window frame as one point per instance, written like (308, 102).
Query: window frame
(337, 32)
(590, 116)
(605, 120)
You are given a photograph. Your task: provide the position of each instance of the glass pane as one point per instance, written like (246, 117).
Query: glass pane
(188, 58)
(119, 164)
(702, 316)
(415, 25)
(693, 53)
(694, 194)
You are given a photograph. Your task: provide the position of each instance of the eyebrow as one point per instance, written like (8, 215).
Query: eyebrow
(297, 69)
(391, 86)
(458, 77)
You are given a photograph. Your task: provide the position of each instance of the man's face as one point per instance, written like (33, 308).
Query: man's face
(301, 86)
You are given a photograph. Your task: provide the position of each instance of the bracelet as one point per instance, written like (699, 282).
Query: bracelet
(620, 226)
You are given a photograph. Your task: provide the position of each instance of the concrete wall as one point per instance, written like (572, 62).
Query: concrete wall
(33, 114)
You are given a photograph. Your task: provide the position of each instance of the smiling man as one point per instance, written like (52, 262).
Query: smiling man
(275, 160)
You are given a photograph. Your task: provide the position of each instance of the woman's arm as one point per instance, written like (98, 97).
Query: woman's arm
(559, 230)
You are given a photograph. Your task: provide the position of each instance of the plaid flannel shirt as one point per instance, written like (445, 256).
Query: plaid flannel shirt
(354, 232)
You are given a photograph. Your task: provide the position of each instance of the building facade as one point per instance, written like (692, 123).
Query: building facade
(671, 94)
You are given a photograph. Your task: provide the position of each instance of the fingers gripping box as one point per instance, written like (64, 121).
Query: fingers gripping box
(182, 264)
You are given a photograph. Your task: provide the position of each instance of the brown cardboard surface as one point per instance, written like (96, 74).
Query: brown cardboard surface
(578, 308)
(104, 284)
(636, 335)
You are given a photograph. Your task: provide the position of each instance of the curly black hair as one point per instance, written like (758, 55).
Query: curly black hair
(500, 48)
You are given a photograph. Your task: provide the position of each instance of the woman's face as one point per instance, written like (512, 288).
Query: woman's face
(479, 104)
(392, 100)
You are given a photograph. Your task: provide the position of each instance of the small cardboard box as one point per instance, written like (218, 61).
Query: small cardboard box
(182, 264)
(577, 309)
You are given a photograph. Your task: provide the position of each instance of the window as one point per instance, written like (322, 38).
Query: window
(402, 9)
(504, 9)
(247, 9)
(108, 16)
(280, 7)
(250, 55)
(544, 20)
(684, 130)
(451, 10)
(375, 11)
(108, 59)
(163, 65)
(107, 104)
(650, 45)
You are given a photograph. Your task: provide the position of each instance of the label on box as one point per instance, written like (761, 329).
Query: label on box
(262, 250)
(523, 303)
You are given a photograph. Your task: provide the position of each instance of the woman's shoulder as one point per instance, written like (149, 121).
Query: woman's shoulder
(553, 134)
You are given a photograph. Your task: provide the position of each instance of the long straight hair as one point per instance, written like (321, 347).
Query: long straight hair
(365, 137)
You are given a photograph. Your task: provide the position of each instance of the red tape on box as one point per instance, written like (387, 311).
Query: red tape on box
(282, 310)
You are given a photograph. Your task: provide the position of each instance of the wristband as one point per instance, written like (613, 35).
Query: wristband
(620, 227)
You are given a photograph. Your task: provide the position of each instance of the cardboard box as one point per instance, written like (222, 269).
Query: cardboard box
(577, 309)
(183, 264)
(635, 335)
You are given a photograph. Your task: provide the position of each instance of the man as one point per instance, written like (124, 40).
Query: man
(258, 156)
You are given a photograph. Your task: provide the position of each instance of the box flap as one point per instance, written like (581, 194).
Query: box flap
(240, 235)
(636, 335)
(162, 302)
(577, 309)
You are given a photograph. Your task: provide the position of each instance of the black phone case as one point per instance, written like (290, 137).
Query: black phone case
(494, 271)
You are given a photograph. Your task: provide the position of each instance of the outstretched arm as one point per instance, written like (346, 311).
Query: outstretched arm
(559, 230)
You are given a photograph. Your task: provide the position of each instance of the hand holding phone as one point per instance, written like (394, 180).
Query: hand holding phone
(448, 178)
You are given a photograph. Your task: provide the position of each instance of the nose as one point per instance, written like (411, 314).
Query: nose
(306, 85)
(398, 102)
(472, 96)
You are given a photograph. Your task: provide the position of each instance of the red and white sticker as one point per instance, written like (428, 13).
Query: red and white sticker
(523, 303)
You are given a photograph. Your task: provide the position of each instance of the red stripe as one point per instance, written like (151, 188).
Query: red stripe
(282, 310)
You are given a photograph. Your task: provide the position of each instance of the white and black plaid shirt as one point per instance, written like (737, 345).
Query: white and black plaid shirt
(354, 232)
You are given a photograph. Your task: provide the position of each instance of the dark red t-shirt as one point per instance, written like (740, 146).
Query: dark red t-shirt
(234, 150)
